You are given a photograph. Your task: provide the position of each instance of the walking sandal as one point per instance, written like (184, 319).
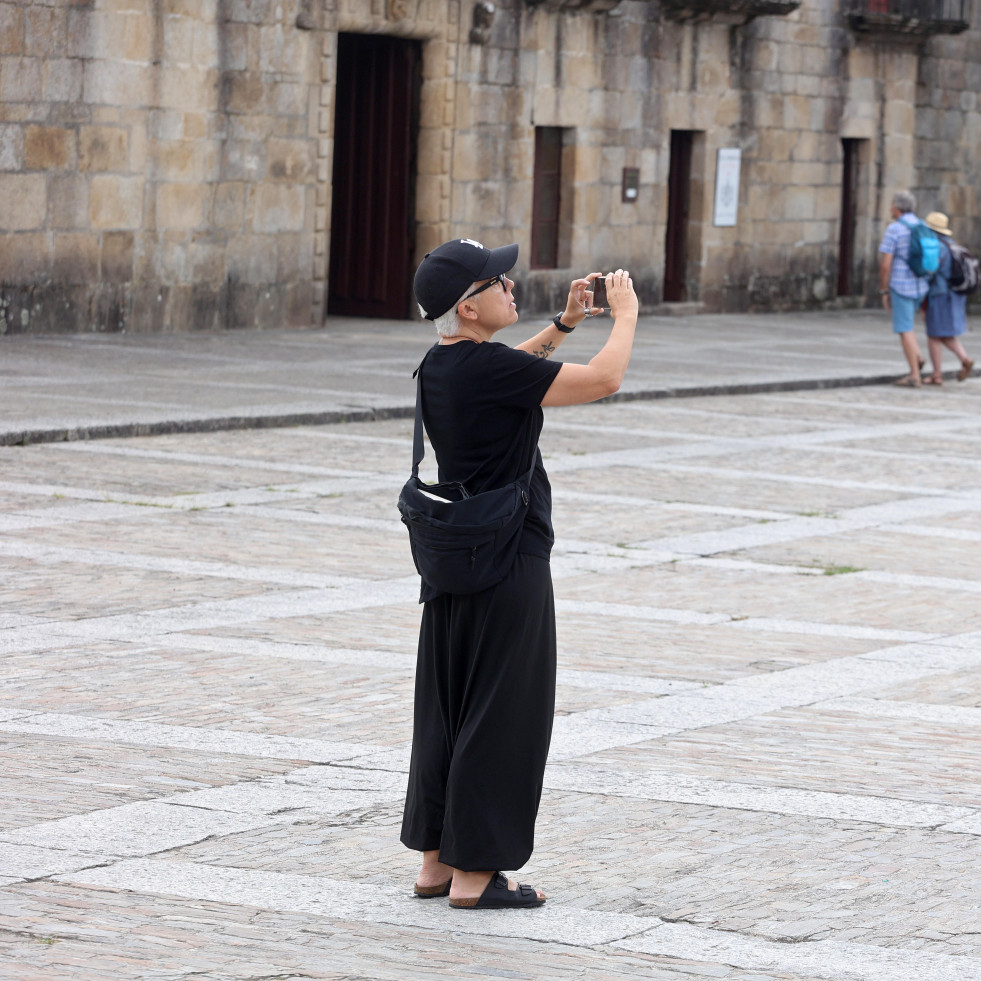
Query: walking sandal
(498, 896)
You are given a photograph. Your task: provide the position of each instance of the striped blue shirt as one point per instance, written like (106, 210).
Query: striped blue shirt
(901, 279)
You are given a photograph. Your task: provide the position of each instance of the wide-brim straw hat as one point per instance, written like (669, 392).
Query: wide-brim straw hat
(937, 221)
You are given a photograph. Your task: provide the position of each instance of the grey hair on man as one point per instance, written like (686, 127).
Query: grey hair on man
(904, 202)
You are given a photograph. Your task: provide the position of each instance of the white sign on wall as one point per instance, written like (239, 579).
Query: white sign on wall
(727, 185)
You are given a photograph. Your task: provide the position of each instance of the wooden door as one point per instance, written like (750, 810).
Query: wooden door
(849, 206)
(372, 216)
(679, 205)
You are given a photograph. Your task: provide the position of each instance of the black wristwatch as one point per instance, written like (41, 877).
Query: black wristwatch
(557, 320)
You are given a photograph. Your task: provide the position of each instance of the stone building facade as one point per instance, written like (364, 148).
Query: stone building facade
(195, 164)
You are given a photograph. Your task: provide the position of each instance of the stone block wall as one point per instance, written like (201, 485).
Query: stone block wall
(166, 164)
(156, 167)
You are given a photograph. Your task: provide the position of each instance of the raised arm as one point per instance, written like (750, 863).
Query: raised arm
(545, 343)
(578, 383)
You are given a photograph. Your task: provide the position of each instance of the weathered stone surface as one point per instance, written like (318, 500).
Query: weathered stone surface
(116, 202)
(117, 257)
(180, 205)
(48, 148)
(103, 149)
(25, 201)
(235, 98)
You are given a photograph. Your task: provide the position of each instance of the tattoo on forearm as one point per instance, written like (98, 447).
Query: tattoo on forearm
(545, 350)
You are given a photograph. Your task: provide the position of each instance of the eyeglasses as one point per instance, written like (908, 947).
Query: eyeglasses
(499, 278)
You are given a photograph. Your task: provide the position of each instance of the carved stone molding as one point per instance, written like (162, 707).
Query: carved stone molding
(733, 11)
(587, 6)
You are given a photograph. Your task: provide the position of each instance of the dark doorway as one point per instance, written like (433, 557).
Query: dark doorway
(546, 198)
(372, 235)
(679, 208)
(849, 217)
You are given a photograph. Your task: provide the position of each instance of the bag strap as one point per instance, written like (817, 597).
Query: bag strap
(419, 447)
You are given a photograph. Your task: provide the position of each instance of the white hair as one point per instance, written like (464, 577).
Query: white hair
(448, 325)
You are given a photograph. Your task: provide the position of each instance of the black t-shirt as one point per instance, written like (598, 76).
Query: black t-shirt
(481, 404)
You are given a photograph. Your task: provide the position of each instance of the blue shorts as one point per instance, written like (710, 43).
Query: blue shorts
(903, 310)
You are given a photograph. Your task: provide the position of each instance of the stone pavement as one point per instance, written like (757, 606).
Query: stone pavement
(96, 385)
(765, 761)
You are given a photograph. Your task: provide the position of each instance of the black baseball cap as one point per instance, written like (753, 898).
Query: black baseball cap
(446, 272)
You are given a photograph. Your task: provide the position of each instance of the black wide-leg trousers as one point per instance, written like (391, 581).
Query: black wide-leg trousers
(484, 701)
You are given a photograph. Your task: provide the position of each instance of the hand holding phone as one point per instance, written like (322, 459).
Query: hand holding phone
(599, 292)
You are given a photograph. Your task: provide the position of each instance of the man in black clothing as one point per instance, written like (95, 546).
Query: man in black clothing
(485, 677)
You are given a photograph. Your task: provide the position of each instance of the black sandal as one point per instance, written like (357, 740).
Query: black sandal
(498, 896)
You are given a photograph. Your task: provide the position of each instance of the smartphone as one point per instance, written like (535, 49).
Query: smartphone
(599, 292)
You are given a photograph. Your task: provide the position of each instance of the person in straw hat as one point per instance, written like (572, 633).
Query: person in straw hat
(945, 309)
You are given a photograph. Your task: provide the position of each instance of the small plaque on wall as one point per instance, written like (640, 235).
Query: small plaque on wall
(630, 187)
(727, 186)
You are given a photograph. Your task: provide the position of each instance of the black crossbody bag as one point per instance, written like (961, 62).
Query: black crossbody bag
(461, 542)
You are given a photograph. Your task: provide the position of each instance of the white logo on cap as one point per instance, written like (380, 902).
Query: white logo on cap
(470, 241)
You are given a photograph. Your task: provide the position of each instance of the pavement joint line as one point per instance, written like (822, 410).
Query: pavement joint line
(855, 405)
(578, 463)
(796, 687)
(864, 575)
(818, 959)
(935, 531)
(137, 829)
(552, 924)
(938, 459)
(213, 460)
(941, 715)
(106, 558)
(563, 494)
(31, 437)
(244, 420)
(68, 726)
(689, 617)
(714, 445)
(668, 786)
(400, 661)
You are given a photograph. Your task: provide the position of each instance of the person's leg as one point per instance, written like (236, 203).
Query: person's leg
(502, 716)
(433, 871)
(936, 359)
(912, 351)
(422, 819)
(967, 364)
(954, 343)
(903, 312)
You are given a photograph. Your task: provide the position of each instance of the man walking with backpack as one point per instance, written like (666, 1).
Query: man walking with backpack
(910, 255)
